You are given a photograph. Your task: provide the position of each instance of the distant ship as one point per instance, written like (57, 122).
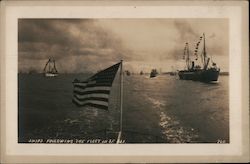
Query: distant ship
(172, 73)
(50, 69)
(141, 73)
(153, 73)
(128, 73)
(203, 72)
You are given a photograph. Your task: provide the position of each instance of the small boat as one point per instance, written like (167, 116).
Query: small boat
(127, 73)
(196, 72)
(153, 73)
(172, 73)
(141, 73)
(50, 69)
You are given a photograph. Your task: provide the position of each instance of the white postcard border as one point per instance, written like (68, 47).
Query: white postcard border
(235, 83)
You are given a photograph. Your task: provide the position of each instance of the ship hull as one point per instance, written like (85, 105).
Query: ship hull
(152, 75)
(208, 75)
(50, 74)
(172, 73)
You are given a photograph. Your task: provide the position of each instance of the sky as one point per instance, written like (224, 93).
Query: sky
(89, 45)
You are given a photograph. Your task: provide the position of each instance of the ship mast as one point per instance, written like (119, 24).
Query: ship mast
(54, 66)
(204, 51)
(50, 65)
(44, 70)
(188, 58)
(186, 52)
(206, 60)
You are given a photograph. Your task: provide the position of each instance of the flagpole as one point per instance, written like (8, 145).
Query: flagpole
(121, 102)
(121, 95)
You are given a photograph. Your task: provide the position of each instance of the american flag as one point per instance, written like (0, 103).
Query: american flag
(95, 91)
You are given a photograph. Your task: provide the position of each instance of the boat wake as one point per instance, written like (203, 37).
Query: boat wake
(158, 104)
(171, 127)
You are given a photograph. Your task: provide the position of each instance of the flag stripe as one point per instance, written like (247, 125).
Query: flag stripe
(92, 98)
(93, 85)
(100, 84)
(80, 83)
(92, 105)
(79, 89)
(91, 92)
(91, 102)
(92, 95)
(103, 78)
(99, 106)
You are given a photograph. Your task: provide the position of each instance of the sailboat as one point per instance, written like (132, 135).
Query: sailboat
(196, 72)
(50, 68)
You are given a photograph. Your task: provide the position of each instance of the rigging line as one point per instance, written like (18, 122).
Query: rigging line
(45, 66)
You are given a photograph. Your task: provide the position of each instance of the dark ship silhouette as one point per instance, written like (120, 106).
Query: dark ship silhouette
(127, 73)
(153, 73)
(203, 72)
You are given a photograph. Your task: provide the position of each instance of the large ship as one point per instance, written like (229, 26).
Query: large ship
(206, 71)
(50, 69)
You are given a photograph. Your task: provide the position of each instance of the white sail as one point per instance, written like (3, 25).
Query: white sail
(50, 68)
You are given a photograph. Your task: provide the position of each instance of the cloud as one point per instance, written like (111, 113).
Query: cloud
(190, 31)
(185, 30)
(40, 39)
(88, 45)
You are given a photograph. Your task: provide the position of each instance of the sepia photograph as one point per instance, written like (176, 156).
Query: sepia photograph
(123, 80)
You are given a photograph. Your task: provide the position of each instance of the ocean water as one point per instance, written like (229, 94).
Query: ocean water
(155, 110)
